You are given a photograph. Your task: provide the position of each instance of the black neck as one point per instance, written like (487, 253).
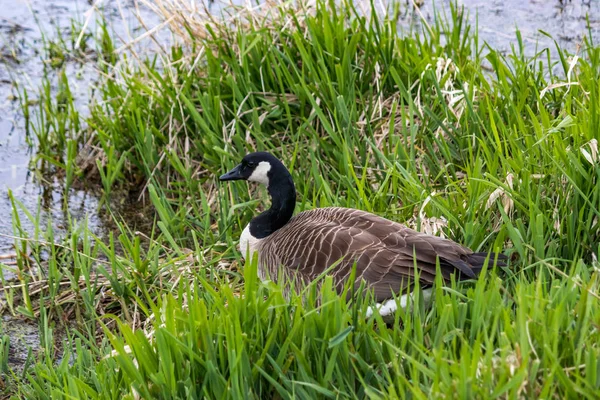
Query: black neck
(283, 200)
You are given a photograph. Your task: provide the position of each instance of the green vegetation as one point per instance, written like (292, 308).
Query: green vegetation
(435, 129)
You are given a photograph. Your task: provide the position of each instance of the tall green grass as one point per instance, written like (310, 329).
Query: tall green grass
(436, 129)
(389, 120)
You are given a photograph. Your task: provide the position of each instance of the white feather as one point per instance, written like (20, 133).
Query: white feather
(248, 243)
(260, 173)
(389, 307)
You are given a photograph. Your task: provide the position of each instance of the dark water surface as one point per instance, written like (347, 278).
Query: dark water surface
(22, 24)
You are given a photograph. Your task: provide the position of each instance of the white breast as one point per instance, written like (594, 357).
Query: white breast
(248, 243)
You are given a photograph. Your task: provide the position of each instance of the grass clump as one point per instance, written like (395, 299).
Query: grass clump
(503, 156)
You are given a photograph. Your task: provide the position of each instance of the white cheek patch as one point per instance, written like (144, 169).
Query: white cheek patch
(260, 173)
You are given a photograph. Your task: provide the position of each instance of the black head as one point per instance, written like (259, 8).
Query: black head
(265, 168)
(260, 167)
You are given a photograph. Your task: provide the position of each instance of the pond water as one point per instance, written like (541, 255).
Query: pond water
(564, 20)
(24, 22)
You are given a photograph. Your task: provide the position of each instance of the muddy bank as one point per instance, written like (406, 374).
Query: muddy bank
(23, 27)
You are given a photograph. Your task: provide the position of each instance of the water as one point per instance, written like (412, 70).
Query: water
(498, 20)
(21, 26)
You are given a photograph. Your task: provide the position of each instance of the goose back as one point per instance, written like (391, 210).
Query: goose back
(385, 252)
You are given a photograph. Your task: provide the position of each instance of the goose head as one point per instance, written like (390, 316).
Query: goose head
(260, 167)
(264, 168)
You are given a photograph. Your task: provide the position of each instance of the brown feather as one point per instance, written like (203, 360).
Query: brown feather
(386, 253)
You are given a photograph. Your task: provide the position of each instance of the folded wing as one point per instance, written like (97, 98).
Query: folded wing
(386, 253)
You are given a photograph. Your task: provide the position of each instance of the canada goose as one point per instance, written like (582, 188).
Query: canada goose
(386, 253)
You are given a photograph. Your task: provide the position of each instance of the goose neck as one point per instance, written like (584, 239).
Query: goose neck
(283, 202)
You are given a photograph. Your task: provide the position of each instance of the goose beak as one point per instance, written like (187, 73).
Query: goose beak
(233, 175)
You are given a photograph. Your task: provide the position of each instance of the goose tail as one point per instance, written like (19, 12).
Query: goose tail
(477, 260)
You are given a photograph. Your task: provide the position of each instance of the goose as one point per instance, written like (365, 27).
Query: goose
(385, 253)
